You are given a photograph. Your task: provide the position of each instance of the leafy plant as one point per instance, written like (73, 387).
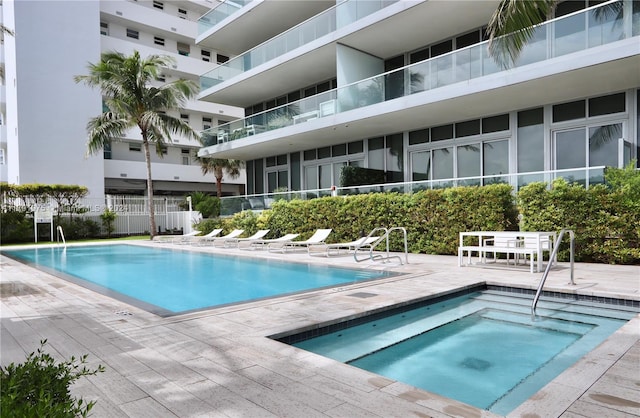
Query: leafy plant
(40, 387)
(108, 217)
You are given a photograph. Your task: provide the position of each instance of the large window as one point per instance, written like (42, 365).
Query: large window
(591, 146)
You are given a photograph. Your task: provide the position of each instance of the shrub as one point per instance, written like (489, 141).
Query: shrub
(40, 387)
(108, 217)
(15, 226)
(79, 228)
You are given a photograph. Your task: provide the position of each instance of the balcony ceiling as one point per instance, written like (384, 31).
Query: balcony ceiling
(261, 20)
(495, 95)
(415, 27)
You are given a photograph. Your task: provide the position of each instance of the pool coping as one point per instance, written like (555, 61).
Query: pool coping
(258, 320)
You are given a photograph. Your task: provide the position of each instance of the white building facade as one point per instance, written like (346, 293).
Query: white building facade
(44, 113)
(406, 91)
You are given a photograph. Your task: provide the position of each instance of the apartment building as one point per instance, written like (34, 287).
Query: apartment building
(44, 113)
(405, 91)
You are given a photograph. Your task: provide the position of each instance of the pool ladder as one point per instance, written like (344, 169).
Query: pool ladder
(60, 234)
(552, 257)
(383, 238)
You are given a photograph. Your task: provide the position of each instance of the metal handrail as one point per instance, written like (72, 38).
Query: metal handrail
(552, 257)
(61, 234)
(384, 237)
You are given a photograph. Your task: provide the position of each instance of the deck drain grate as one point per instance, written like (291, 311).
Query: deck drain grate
(123, 313)
(363, 295)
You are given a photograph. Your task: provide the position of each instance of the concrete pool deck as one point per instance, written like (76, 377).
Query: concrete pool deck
(220, 363)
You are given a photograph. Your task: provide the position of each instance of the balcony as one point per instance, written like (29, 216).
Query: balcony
(309, 31)
(608, 37)
(129, 12)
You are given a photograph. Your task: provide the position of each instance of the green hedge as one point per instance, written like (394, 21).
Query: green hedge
(605, 221)
(433, 218)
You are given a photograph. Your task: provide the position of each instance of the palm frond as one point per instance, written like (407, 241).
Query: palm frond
(103, 129)
(513, 25)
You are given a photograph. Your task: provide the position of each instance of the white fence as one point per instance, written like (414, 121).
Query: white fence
(132, 213)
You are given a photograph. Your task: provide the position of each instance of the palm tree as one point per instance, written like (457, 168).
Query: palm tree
(517, 19)
(218, 166)
(132, 102)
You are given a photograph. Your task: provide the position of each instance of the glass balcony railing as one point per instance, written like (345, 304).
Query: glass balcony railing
(322, 24)
(221, 12)
(596, 26)
(587, 176)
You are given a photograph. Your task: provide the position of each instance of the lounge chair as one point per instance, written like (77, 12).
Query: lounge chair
(176, 238)
(200, 238)
(338, 248)
(260, 244)
(235, 242)
(317, 238)
(233, 234)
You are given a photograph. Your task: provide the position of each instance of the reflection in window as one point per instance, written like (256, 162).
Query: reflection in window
(495, 160)
(530, 141)
(570, 149)
(420, 165)
(443, 163)
(469, 160)
(603, 145)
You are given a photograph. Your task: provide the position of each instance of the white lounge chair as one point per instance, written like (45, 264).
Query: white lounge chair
(260, 244)
(317, 238)
(233, 234)
(234, 242)
(338, 248)
(176, 238)
(201, 238)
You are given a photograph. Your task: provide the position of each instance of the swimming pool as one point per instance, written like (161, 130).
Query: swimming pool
(482, 348)
(166, 281)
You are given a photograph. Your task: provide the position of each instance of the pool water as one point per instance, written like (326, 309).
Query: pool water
(483, 349)
(166, 281)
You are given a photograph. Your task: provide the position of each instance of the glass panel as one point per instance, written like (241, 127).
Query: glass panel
(604, 26)
(570, 149)
(376, 153)
(468, 128)
(419, 137)
(339, 150)
(420, 165)
(440, 133)
(569, 34)
(495, 158)
(536, 49)
(469, 160)
(311, 178)
(295, 171)
(337, 169)
(324, 176)
(569, 111)
(607, 105)
(530, 140)
(272, 181)
(603, 145)
(259, 176)
(443, 163)
(356, 147)
(283, 178)
(495, 124)
(395, 161)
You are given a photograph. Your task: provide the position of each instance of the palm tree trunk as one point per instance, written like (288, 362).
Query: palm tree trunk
(219, 187)
(147, 157)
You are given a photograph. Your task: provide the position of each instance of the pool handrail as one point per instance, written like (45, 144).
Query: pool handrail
(553, 255)
(383, 237)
